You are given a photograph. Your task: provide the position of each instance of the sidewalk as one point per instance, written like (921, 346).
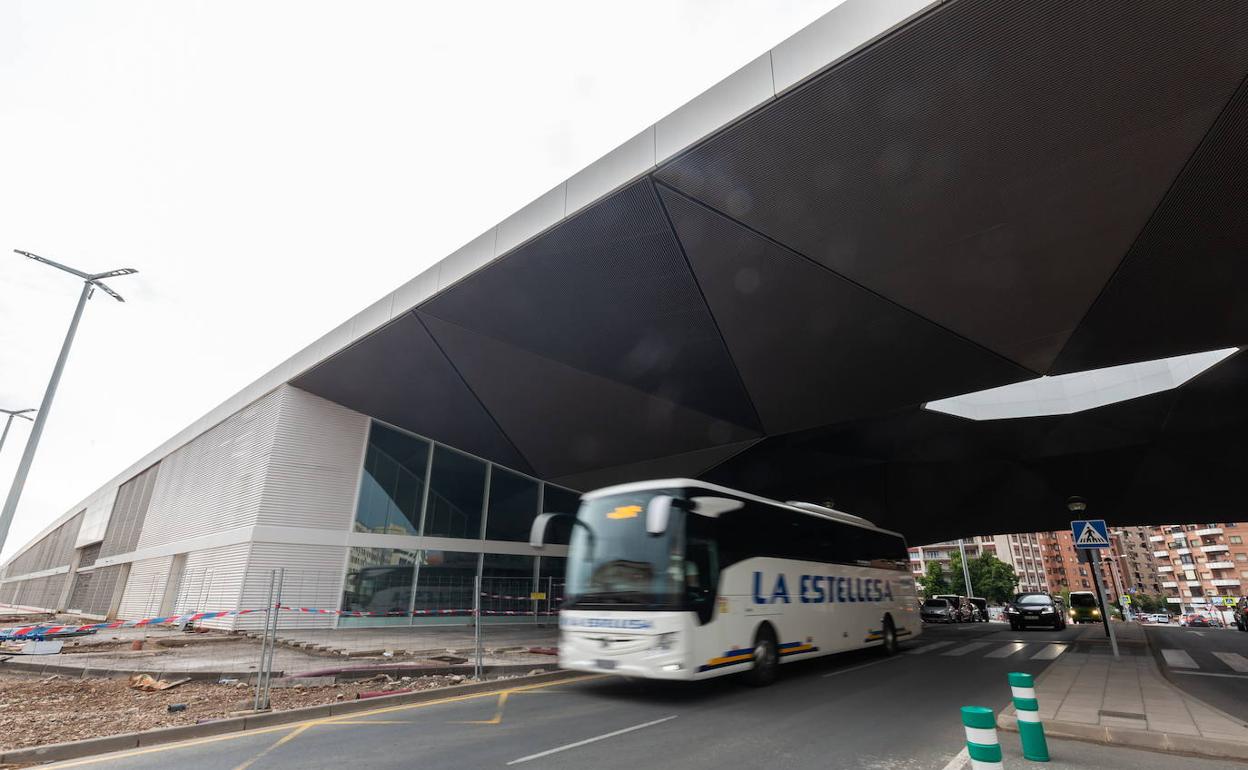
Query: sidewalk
(429, 639)
(1087, 695)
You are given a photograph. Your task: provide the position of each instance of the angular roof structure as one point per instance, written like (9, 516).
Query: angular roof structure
(906, 201)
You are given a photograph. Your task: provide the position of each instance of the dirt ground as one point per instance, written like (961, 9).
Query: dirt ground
(37, 710)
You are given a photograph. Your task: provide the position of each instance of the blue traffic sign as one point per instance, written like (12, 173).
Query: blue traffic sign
(1090, 533)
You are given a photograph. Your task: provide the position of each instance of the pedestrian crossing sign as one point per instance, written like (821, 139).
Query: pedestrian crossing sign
(1091, 533)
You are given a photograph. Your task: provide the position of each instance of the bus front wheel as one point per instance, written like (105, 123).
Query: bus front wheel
(766, 658)
(890, 637)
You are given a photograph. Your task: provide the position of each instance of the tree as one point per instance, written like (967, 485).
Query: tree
(991, 578)
(935, 581)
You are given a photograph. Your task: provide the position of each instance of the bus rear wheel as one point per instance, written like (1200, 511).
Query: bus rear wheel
(766, 659)
(890, 637)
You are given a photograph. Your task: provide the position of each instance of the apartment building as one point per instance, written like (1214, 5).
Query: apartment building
(1133, 552)
(1020, 550)
(1200, 564)
(1066, 569)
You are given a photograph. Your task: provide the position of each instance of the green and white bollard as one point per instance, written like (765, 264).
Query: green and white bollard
(981, 738)
(1027, 710)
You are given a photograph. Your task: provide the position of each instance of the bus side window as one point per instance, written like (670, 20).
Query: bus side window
(701, 567)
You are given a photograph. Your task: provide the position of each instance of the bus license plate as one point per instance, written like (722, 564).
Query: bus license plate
(605, 664)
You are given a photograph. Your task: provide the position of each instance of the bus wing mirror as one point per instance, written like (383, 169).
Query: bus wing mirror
(537, 533)
(658, 514)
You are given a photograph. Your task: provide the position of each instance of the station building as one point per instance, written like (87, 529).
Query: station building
(795, 284)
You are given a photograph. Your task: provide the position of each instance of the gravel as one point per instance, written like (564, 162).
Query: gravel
(39, 710)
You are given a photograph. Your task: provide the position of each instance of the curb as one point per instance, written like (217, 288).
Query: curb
(1170, 743)
(342, 673)
(55, 752)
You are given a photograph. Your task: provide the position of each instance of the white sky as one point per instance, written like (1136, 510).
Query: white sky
(273, 167)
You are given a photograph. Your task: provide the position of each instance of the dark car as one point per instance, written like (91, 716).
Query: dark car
(938, 611)
(1241, 613)
(965, 610)
(1036, 609)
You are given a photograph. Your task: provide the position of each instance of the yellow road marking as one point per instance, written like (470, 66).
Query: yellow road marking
(337, 722)
(288, 737)
(498, 713)
(309, 723)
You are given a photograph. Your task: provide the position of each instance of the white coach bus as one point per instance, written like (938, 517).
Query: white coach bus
(680, 579)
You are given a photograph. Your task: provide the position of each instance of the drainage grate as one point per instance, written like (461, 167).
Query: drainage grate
(1122, 714)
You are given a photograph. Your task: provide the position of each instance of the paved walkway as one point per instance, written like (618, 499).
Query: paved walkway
(1088, 694)
(430, 639)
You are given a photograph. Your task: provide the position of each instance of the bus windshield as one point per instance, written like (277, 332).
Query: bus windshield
(612, 560)
(1082, 599)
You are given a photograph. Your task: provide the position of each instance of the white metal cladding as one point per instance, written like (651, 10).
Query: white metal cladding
(55, 549)
(315, 462)
(93, 590)
(215, 482)
(314, 577)
(144, 588)
(129, 513)
(96, 513)
(213, 580)
(40, 593)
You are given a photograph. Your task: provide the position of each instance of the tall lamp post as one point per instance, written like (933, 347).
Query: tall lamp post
(966, 570)
(90, 282)
(9, 422)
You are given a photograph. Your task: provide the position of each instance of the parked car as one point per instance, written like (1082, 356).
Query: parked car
(936, 610)
(981, 605)
(1241, 613)
(966, 610)
(1084, 608)
(1195, 620)
(1158, 617)
(1036, 609)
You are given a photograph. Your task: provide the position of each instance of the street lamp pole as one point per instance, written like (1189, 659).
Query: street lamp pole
(966, 571)
(9, 422)
(90, 282)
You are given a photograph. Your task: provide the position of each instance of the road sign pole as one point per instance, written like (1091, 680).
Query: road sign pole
(1100, 597)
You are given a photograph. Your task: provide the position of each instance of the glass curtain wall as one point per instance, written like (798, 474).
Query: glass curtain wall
(411, 486)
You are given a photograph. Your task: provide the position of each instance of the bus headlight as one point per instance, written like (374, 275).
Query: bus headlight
(665, 641)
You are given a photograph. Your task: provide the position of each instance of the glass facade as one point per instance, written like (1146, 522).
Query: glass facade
(393, 484)
(413, 487)
(456, 495)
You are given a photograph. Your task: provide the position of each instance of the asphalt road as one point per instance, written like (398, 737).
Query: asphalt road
(1208, 663)
(851, 711)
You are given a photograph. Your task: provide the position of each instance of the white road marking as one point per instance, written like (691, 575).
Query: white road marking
(857, 668)
(1199, 633)
(964, 649)
(588, 741)
(1178, 659)
(1049, 652)
(1234, 660)
(1007, 650)
(958, 761)
(1212, 673)
(928, 648)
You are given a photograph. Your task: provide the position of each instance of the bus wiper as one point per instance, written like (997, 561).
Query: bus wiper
(615, 597)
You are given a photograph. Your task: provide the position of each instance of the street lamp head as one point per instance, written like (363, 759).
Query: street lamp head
(1076, 504)
(96, 280)
(18, 412)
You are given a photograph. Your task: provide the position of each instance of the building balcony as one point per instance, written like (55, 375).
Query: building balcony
(1173, 600)
(1192, 583)
(1156, 538)
(1165, 569)
(1182, 551)
(1208, 532)
(1170, 584)
(1161, 554)
(1214, 548)
(1227, 582)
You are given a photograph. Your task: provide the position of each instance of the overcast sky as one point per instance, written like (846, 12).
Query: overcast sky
(271, 168)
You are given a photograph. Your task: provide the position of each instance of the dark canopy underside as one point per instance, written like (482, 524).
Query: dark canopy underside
(994, 192)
